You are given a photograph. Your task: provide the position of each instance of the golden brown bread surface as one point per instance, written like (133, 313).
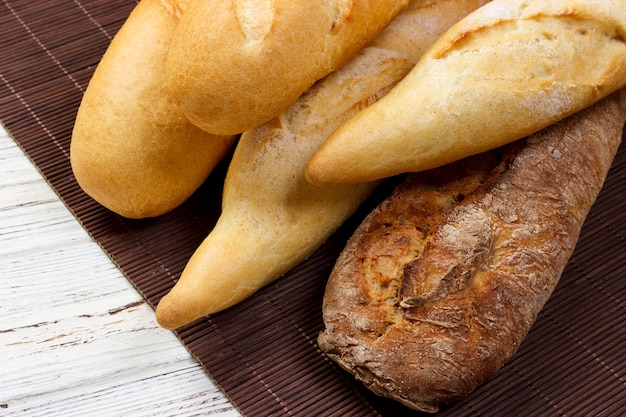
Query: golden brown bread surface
(505, 71)
(440, 284)
(272, 218)
(132, 148)
(237, 64)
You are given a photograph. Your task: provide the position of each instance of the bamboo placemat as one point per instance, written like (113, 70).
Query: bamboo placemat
(263, 352)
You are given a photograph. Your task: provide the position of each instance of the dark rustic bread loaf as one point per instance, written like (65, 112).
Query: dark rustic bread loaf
(440, 284)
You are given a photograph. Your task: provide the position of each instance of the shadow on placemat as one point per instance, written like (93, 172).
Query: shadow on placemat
(263, 352)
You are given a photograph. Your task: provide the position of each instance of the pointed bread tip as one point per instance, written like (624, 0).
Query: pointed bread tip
(170, 315)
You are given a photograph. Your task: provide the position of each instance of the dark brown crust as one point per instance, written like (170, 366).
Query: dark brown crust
(440, 284)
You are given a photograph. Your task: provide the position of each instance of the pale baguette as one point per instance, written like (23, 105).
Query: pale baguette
(132, 148)
(440, 284)
(509, 69)
(237, 64)
(272, 219)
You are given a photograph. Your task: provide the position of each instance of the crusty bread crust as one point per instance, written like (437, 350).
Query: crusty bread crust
(234, 65)
(439, 285)
(132, 149)
(507, 70)
(272, 218)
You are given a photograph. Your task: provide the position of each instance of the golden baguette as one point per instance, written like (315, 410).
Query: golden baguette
(272, 219)
(132, 148)
(237, 64)
(507, 70)
(439, 285)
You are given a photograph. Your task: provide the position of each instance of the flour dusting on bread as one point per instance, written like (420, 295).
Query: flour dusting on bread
(440, 284)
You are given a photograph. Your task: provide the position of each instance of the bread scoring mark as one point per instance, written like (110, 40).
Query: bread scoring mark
(461, 242)
(484, 29)
(469, 238)
(175, 8)
(255, 17)
(341, 10)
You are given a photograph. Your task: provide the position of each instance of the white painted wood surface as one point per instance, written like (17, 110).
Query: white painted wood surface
(76, 338)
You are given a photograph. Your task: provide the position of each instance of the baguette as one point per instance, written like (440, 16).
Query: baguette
(509, 69)
(272, 219)
(439, 285)
(234, 65)
(132, 148)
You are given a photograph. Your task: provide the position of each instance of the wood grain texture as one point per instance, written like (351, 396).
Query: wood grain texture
(76, 338)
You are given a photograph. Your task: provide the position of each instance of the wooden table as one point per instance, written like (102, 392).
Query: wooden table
(76, 338)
